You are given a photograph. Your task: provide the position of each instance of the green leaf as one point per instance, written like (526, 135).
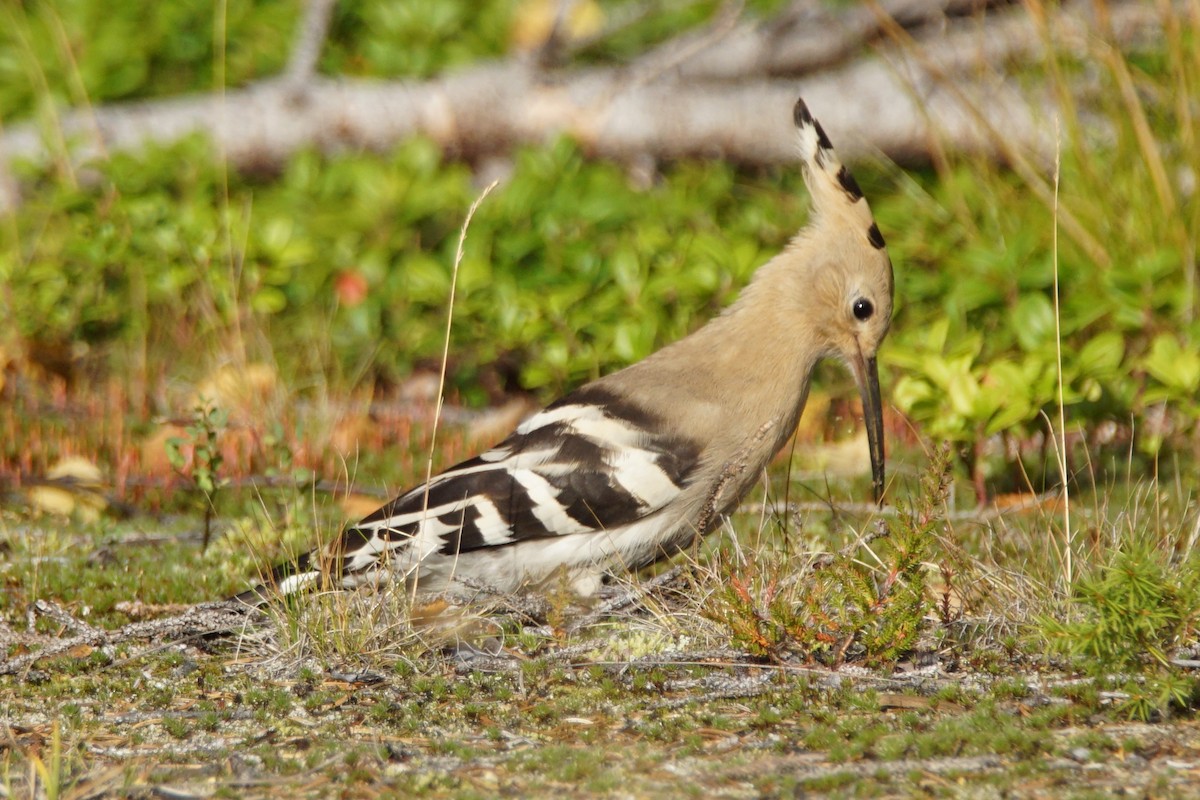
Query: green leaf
(1006, 385)
(269, 300)
(1033, 321)
(1101, 355)
(174, 446)
(1173, 366)
(963, 391)
(910, 392)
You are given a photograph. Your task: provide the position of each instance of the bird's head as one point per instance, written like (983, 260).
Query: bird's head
(845, 275)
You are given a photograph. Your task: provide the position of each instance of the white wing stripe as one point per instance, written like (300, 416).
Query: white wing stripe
(504, 460)
(636, 472)
(492, 526)
(294, 583)
(426, 515)
(567, 413)
(613, 434)
(544, 503)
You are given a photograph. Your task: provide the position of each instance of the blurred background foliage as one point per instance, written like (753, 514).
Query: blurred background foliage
(337, 269)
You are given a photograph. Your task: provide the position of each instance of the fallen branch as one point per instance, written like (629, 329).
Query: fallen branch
(665, 106)
(199, 620)
(804, 38)
(310, 39)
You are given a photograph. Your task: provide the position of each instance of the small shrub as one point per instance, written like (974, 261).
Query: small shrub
(1131, 613)
(842, 607)
(204, 461)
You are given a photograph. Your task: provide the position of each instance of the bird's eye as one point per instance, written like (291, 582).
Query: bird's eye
(863, 309)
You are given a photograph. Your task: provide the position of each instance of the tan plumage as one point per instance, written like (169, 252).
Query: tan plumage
(748, 370)
(634, 465)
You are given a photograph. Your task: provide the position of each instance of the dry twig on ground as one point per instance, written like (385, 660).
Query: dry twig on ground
(199, 620)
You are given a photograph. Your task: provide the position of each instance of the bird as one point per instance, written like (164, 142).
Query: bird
(634, 466)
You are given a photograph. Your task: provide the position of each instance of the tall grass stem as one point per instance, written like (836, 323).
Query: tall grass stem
(1068, 544)
(437, 410)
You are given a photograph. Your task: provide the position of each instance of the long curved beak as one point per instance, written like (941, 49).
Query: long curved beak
(866, 374)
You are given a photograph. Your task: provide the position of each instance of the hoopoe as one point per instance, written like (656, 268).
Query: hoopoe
(635, 465)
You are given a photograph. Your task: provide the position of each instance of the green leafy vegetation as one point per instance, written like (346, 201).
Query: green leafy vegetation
(338, 269)
(844, 605)
(199, 454)
(1106, 230)
(415, 38)
(559, 231)
(77, 52)
(1135, 611)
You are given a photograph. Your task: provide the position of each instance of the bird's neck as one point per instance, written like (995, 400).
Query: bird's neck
(766, 352)
(748, 368)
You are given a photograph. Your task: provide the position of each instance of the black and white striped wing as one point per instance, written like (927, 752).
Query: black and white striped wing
(587, 464)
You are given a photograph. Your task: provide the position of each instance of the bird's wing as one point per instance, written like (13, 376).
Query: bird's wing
(590, 462)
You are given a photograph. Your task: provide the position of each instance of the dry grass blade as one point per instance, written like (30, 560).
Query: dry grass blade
(1011, 153)
(441, 389)
(1135, 110)
(1061, 442)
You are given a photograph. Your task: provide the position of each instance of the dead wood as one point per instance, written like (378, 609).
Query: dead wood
(199, 620)
(626, 598)
(310, 39)
(705, 94)
(804, 38)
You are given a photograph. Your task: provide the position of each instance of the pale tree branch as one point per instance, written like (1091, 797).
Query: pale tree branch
(805, 37)
(310, 40)
(888, 100)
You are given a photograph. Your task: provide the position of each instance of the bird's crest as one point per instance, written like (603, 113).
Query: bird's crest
(833, 188)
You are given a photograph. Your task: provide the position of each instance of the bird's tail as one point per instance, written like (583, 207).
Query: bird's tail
(285, 578)
(316, 568)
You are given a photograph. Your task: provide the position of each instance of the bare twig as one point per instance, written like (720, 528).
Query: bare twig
(980, 514)
(527, 606)
(57, 613)
(206, 618)
(623, 600)
(310, 39)
(878, 531)
(9, 637)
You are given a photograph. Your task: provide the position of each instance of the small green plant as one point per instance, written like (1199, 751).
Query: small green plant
(845, 607)
(1130, 614)
(202, 468)
(177, 727)
(281, 460)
